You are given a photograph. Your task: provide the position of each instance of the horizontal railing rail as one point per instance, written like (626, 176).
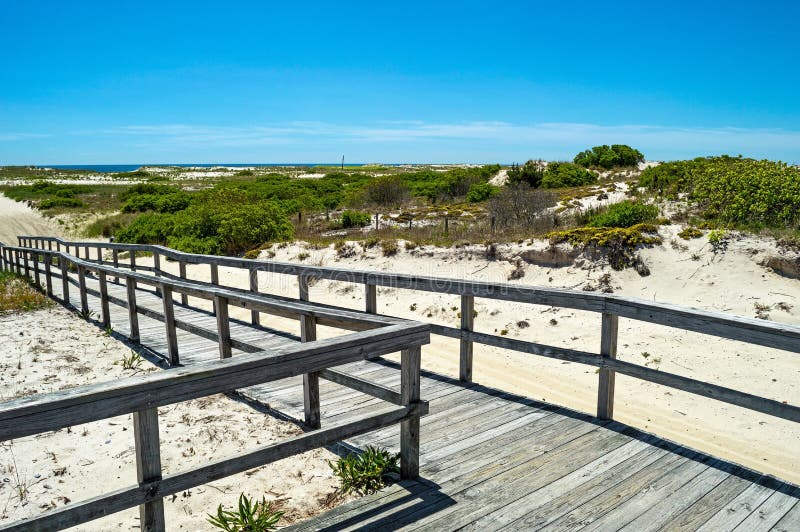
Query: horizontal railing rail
(142, 395)
(611, 307)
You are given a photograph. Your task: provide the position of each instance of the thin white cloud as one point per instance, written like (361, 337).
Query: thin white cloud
(504, 139)
(11, 137)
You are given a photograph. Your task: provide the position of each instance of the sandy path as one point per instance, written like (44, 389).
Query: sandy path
(16, 218)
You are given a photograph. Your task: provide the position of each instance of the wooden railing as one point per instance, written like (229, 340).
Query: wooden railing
(610, 307)
(141, 396)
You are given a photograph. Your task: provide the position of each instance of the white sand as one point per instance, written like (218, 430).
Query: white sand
(16, 218)
(53, 349)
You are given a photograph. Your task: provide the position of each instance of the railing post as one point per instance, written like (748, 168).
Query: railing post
(409, 429)
(133, 260)
(371, 297)
(133, 312)
(27, 264)
(255, 318)
(48, 279)
(64, 281)
(182, 270)
(308, 333)
(214, 280)
(115, 258)
(49, 245)
(169, 323)
(36, 269)
(99, 256)
(148, 467)
(223, 326)
(86, 250)
(608, 350)
(106, 314)
(82, 288)
(157, 269)
(467, 324)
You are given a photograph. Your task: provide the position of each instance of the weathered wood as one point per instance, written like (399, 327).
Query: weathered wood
(148, 467)
(410, 360)
(182, 273)
(157, 269)
(133, 314)
(115, 261)
(132, 255)
(308, 333)
(713, 391)
(311, 409)
(82, 289)
(74, 406)
(608, 350)
(214, 280)
(362, 385)
(64, 281)
(104, 310)
(81, 512)
(37, 278)
(48, 275)
(254, 316)
(223, 326)
(169, 324)
(371, 298)
(467, 324)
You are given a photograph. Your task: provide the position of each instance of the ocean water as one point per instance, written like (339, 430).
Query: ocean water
(113, 168)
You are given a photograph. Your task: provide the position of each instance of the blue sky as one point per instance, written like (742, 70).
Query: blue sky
(136, 82)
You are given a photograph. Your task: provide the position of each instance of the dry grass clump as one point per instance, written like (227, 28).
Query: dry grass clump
(17, 295)
(389, 247)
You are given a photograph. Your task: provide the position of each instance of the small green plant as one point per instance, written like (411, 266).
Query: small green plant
(303, 255)
(251, 516)
(413, 307)
(109, 330)
(87, 314)
(365, 472)
(132, 361)
(718, 238)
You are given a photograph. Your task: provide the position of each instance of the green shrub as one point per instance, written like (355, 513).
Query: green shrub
(624, 214)
(150, 228)
(731, 190)
(609, 156)
(561, 175)
(60, 202)
(108, 226)
(250, 516)
(365, 472)
(481, 192)
(530, 173)
(355, 219)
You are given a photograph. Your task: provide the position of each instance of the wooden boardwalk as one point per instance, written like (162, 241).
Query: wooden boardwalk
(492, 460)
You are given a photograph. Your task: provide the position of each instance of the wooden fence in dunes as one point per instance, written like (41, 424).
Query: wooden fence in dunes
(374, 336)
(610, 307)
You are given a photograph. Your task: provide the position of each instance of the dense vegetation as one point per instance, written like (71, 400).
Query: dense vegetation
(624, 214)
(222, 220)
(609, 156)
(550, 175)
(732, 190)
